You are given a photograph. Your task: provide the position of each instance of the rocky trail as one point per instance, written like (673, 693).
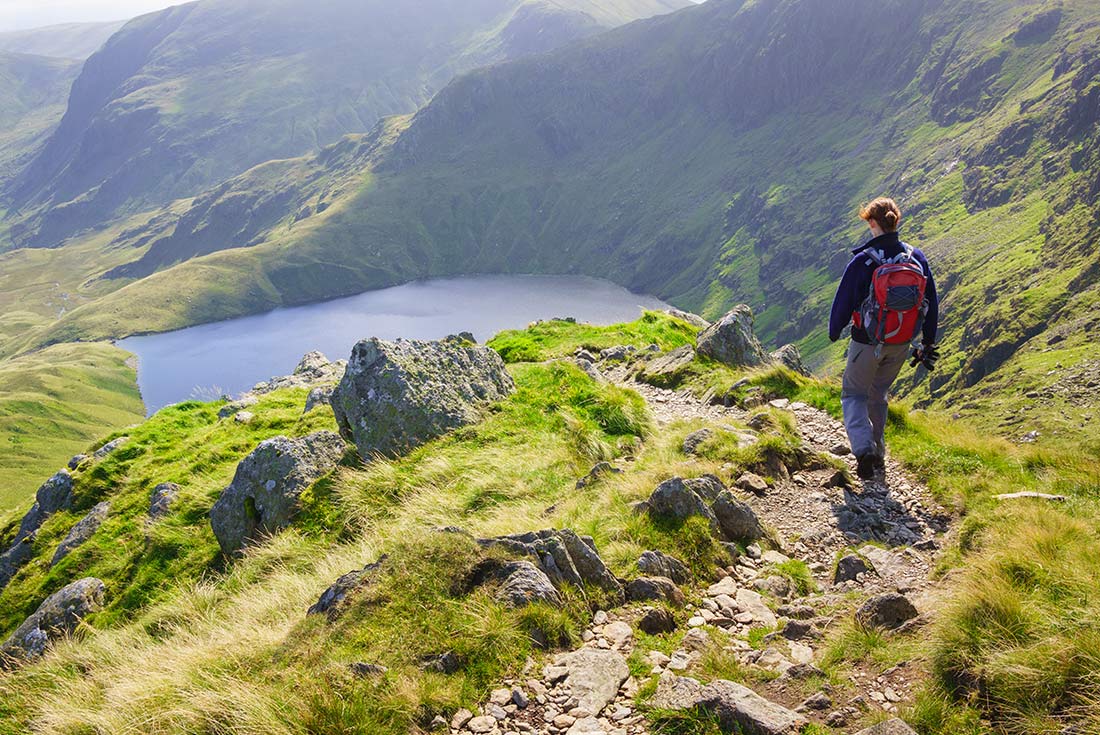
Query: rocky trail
(885, 534)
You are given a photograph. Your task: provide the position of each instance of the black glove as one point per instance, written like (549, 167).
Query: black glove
(927, 354)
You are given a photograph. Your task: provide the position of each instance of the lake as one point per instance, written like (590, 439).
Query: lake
(227, 358)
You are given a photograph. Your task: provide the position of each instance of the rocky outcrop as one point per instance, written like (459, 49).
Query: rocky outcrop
(791, 357)
(396, 395)
(319, 396)
(264, 495)
(678, 499)
(667, 371)
(563, 556)
(313, 369)
(732, 341)
(658, 564)
(109, 447)
(55, 494)
(332, 599)
(736, 707)
(888, 611)
(524, 583)
(686, 316)
(160, 502)
(58, 616)
(81, 532)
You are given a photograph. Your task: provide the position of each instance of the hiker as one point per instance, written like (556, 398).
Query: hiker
(889, 296)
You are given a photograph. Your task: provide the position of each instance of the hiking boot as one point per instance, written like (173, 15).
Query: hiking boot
(865, 467)
(880, 466)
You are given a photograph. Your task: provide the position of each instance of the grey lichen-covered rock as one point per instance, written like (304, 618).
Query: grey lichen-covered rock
(674, 499)
(618, 353)
(686, 316)
(161, 499)
(732, 341)
(889, 727)
(57, 616)
(81, 532)
(790, 356)
(264, 495)
(54, 494)
(737, 708)
(397, 395)
(76, 460)
(645, 589)
(109, 447)
(524, 583)
(313, 369)
(695, 439)
(332, 599)
(667, 370)
(850, 567)
(563, 556)
(737, 521)
(657, 564)
(319, 396)
(886, 611)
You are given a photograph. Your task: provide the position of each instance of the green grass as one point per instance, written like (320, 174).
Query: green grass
(557, 338)
(53, 405)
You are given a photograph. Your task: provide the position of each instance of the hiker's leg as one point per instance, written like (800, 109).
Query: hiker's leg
(888, 365)
(859, 374)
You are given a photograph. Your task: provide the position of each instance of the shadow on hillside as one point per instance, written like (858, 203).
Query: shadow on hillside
(877, 513)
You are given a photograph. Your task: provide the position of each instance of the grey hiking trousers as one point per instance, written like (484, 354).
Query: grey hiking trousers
(867, 381)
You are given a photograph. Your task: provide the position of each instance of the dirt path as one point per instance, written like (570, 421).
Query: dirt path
(895, 527)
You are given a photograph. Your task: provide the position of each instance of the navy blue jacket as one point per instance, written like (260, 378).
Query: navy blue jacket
(856, 284)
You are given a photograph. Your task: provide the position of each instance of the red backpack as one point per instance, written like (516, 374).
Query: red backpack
(893, 312)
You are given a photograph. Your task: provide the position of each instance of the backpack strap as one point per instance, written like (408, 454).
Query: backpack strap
(877, 257)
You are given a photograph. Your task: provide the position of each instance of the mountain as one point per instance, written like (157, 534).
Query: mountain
(184, 98)
(33, 90)
(75, 41)
(708, 156)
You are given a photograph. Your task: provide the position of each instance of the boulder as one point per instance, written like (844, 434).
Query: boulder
(752, 603)
(54, 494)
(617, 353)
(674, 499)
(525, 583)
(888, 611)
(81, 531)
(563, 556)
(331, 601)
(791, 357)
(667, 370)
(732, 341)
(56, 617)
(849, 568)
(160, 502)
(889, 727)
(752, 483)
(593, 677)
(395, 396)
(656, 621)
(737, 521)
(264, 495)
(319, 396)
(695, 439)
(656, 564)
(76, 460)
(644, 589)
(686, 316)
(109, 447)
(737, 708)
(598, 471)
(590, 370)
(312, 370)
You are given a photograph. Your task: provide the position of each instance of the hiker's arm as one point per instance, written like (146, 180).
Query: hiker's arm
(843, 304)
(932, 319)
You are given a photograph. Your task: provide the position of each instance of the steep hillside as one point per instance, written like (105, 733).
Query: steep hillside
(75, 41)
(718, 154)
(33, 90)
(650, 534)
(184, 98)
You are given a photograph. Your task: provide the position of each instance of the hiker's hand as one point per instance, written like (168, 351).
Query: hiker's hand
(929, 354)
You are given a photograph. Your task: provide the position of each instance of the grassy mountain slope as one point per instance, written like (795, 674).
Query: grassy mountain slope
(53, 404)
(192, 642)
(33, 90)
(717, 155)
(184, 98)
(75, 41)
